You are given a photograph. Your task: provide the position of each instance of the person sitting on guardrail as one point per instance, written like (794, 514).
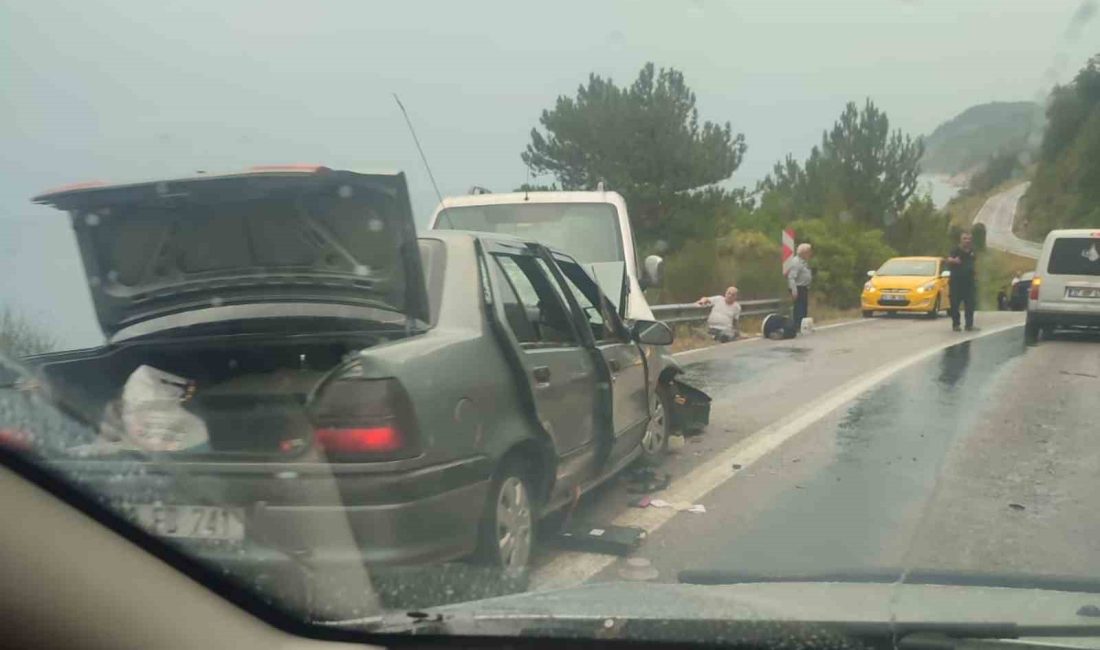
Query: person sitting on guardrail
(724, 320)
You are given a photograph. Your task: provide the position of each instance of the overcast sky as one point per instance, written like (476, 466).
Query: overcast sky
(132, 89)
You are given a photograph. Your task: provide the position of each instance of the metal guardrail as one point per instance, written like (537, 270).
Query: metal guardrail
(690, 312)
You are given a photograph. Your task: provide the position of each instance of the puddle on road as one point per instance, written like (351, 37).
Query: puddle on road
(888, 450)
(716, 376)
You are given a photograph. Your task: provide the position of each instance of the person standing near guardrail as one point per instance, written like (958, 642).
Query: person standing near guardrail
(724, 320)
(798, 280)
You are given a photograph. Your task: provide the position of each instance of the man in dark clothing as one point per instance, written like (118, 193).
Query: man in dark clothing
(962, 282)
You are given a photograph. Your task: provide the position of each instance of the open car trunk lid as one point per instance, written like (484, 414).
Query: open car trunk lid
(313, 235)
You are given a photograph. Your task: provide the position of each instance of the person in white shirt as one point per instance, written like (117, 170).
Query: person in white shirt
(724, 321)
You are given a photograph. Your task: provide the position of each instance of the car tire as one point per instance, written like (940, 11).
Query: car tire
(935, 313)
(1031, 331)
(507, 533)
(867, 313)
(659, 429)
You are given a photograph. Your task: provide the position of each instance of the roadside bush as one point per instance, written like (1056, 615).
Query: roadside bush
(749, 259)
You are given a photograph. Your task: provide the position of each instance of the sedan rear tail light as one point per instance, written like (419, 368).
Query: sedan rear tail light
(364, 420)
(16, 439)
(354, 440)
(1034, 293)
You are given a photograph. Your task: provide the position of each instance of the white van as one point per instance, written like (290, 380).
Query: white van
(593, 227)
(1066, 289)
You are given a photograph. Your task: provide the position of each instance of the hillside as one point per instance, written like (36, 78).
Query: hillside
(970, 138)
(1065, 191)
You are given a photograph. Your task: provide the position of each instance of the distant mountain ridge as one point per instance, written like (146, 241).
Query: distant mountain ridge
(967, 140)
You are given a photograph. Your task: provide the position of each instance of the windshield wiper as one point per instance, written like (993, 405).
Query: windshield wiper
(892, 575)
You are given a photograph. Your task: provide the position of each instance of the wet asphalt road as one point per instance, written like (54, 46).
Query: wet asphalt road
(998, 214)
(981, 456)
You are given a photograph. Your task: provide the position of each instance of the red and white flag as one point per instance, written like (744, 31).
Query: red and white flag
(788, 250)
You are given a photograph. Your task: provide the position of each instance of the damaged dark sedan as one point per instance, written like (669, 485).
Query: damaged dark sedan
(281, 342)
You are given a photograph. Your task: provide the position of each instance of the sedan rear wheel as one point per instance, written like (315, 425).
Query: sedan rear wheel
(507, 528)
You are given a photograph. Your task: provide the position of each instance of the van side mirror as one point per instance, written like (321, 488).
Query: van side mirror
(945, 274)
(652, 271)
(649, 332)
(870, 274)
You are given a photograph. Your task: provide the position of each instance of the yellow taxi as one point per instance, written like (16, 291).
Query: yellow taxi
(907, 284)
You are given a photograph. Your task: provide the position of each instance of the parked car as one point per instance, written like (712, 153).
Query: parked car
(907, 285)
(1065, 291)
(1015, 297)
(304, 343)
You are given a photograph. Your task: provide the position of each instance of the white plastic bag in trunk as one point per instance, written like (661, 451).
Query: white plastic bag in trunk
(152, 413)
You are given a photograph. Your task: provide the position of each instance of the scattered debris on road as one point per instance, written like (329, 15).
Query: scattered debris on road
(644, 480)
(1016, 506)
(737, 466)
(638, 569)
(681, 506)
(598, 538)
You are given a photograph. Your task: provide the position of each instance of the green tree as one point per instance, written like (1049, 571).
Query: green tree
(19, 337)
(861, 171)
(921, 229)
(644, 141)
(999, 168)
(1065, 191)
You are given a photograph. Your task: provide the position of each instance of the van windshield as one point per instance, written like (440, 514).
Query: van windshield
(589, 232)
(1075, 256)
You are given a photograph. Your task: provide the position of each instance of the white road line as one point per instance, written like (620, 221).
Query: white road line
(572, 568)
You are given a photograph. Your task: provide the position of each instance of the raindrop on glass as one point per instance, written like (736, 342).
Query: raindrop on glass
(376, 225)
(362, 269)
(345, 192)
(217, 301)
(92, 219)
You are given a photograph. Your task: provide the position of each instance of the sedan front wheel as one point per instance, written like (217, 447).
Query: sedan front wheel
(659, 428)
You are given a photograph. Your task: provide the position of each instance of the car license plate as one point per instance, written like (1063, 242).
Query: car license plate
(889, 298)
(1082, 292)
(190, 522)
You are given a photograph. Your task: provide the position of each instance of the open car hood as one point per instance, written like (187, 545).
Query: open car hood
(272, 235)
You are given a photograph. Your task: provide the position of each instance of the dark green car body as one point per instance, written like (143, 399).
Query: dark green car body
(482, 351)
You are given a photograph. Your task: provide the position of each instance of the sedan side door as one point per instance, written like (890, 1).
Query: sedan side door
(624, 359)
(560, 373)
